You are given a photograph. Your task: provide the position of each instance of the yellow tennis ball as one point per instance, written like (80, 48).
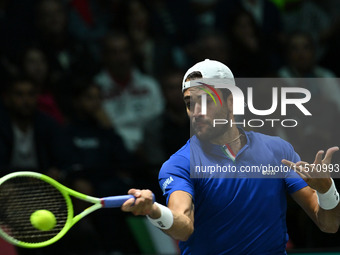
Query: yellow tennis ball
(43, 220)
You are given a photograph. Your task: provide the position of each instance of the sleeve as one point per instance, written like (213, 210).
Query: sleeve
(292, 180)
(175, 175)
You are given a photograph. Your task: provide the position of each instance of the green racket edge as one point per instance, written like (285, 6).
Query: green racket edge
(65, 191)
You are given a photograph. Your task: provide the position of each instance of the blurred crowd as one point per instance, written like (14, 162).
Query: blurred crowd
(91, 91)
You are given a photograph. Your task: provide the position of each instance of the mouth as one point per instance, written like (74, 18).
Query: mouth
(199, 124)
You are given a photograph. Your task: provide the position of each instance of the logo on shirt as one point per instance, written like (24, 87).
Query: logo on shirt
(86, 143)
(166, 183)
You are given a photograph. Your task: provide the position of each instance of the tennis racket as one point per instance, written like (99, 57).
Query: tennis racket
(23, 193)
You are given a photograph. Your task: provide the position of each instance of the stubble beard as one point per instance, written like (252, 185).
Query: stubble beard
(210, 132)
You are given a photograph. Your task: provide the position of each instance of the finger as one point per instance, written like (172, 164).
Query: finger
(304, 167)
(143, 204)
(329, 154)
(147, 194)
(288, 163)
(318, 157)
(141, 207)
(302, 175)
(300, 170)
(301, 163)
(128, 205)
(135, 192)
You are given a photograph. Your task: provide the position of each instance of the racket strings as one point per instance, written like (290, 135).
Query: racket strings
(19, 198)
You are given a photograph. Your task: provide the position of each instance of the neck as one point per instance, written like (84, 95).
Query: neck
(57, 40)
(122, 77)
(22, 124)
(233, 137)
(301, 72)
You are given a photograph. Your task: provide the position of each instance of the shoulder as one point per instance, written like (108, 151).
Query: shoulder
(284, 72)
(275, 143)
(324, 73)
(103, 79)
(46, 126)
(179, 160)
(43, 118)
(144, 79)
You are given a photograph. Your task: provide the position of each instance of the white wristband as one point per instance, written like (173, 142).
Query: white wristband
(330, 199)
(166, 220)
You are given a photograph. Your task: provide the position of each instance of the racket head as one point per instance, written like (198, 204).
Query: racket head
(21, 194)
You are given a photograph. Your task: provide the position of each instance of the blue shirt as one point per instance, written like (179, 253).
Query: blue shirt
(234, 214)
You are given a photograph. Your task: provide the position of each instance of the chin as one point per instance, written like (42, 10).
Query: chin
(203, 134)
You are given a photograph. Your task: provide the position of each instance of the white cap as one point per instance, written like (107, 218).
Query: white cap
(210, 69)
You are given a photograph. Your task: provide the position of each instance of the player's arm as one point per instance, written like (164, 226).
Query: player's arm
(181, 207)
(319, 199)
(327, 220)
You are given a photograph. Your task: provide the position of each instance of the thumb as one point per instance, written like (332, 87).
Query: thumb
(329, 154)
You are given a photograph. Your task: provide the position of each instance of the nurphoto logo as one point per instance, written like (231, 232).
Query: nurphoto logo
(287, 96)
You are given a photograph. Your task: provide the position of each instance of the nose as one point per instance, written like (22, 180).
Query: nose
(197, 111)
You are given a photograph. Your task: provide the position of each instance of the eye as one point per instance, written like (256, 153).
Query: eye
(209, 100)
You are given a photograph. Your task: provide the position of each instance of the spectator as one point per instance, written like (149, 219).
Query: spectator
(64, 53)
(302, 63)
(204, 10)
(34, 65)
(89, 21)
(301, 58)
(249, 56)
(212, 45)
(265, 15)
(307, 16)
(29, 140)
(152, 53)
(16, 25)
(331, 37)
(165, 133)
(136, 22)
(174, 26)
(96, 152)
(131, 98)
(98, 165)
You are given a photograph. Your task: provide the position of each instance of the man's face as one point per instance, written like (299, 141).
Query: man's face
(301, 54)
(203, 124)
(90, 101)
(22, 99)
(52, 17)
(35, 65)
(117, 54)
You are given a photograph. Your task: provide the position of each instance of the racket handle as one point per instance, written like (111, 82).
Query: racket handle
(115, 201)
(118, 201)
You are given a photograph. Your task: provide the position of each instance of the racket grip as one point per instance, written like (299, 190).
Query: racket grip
(115, 201)
(118, 201)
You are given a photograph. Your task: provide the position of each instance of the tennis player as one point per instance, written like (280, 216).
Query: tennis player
(233, 215)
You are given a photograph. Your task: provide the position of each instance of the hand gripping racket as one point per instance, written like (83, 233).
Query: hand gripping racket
(23, 193)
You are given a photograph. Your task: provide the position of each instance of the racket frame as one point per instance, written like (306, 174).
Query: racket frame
(66, 193)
